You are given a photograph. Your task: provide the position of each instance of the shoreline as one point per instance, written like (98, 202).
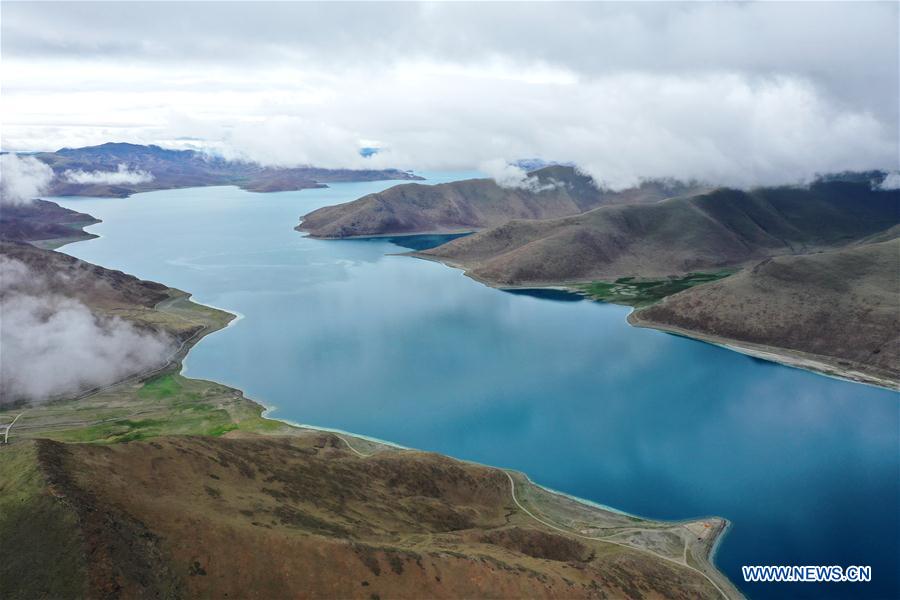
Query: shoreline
(820, 365)
(176, 364)
(375, 236)
(797, 359)
(708, 561)
(265, 412)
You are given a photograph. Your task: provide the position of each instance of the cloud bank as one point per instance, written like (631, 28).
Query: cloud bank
(891, 182)
(54, 345)
(509, 175)
(732, 93)
(22, 178)
(122, 175)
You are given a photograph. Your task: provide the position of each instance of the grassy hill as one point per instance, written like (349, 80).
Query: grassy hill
(474, 204)
(310, 516)
(836, 311)
(712, 231)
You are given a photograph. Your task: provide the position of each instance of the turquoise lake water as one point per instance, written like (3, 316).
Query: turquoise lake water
(345, 336)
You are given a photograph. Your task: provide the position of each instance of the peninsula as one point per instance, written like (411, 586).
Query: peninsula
(803, 275)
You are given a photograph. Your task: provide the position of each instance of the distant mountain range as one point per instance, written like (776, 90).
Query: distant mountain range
(552, 191)
(97, 171)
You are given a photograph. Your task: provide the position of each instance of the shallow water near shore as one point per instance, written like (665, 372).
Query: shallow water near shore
(342, 335)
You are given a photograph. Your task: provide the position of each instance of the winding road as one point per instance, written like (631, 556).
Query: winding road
(605, 539)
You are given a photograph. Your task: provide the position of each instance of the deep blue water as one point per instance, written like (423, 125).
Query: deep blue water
(341, 335)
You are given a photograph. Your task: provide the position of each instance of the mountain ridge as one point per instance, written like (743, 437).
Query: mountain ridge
(171, 168)
(713, 230)
(474, 204)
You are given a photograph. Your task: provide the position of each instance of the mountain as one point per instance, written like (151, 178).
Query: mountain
(161, 168)
(836, 311)
(106, 290)
(277, 517)
(474, 204)
(43, 223)
(708, 231)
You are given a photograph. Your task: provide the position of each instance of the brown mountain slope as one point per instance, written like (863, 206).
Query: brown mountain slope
(305, 517)
(836, 311)
(103, 289)
(44, 223)
(151, 326)
(723, 228)
(473, 204)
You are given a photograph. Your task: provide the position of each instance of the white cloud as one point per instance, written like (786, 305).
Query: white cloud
(22, 178)
(512, 176)
(122, 175)
(734, 93)
(891, 182)
(54, 345)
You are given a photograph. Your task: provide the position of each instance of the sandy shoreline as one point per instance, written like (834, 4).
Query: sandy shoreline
(821, 365)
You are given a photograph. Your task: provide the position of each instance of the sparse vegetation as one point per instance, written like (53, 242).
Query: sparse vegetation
(472, 204)
(644, 292)
(709, 232)
(836, 312)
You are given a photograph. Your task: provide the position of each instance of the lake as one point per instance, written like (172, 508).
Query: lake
(346, 335)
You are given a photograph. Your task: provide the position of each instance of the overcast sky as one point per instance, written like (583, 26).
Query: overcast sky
(731, 93)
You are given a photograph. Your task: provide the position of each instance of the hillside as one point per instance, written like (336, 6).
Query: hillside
(181, 516)
(705, 232)
(165, 169)
(163, 486)
(835, 311)
(71, 327)
(473, 204)
(43, 223)
(105, 291)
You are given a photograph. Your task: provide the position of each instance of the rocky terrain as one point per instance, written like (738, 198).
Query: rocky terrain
(156, 168)
(470, 205)
(704, 232)
(836, 311)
